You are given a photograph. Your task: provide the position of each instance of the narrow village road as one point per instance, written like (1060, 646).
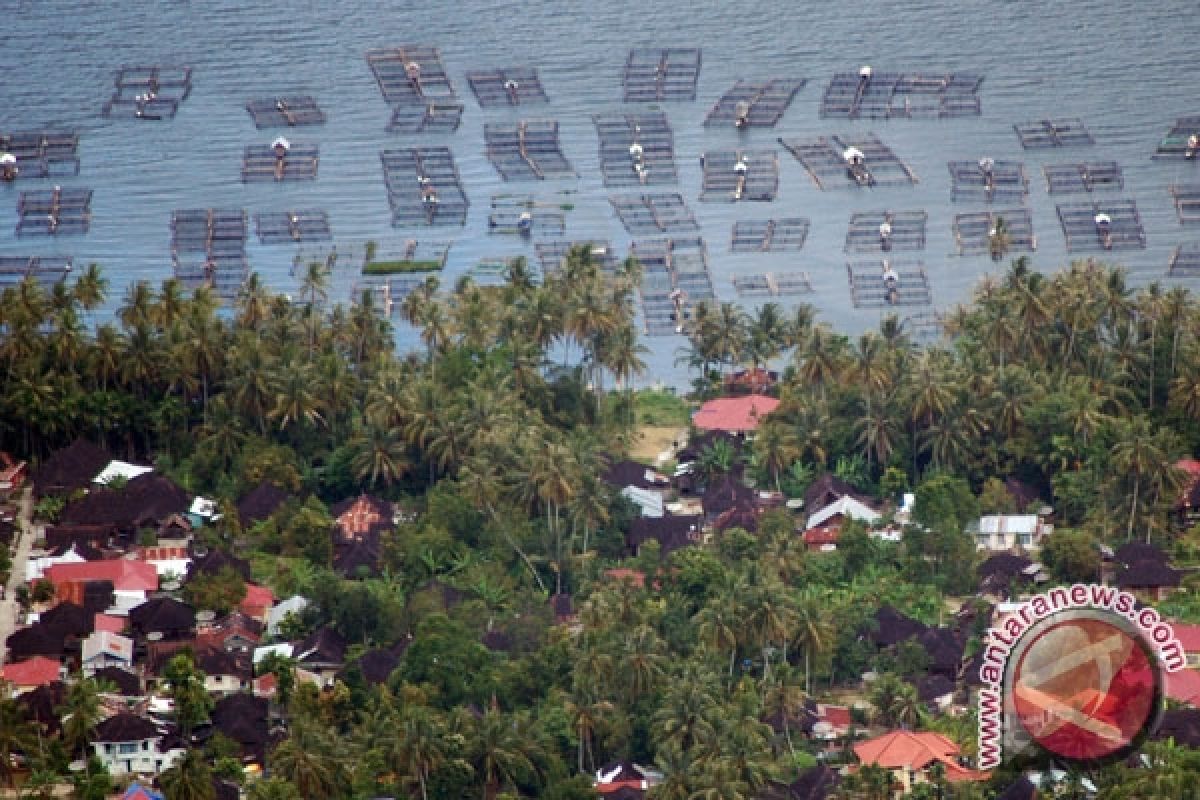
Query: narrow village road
(24, 540)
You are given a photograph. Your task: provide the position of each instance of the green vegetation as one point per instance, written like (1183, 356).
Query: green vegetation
(400, 266)
(658, 407)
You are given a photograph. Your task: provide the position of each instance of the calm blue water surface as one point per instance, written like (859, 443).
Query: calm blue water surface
(1126, 68)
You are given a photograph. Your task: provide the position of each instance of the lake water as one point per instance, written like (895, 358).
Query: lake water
(1128, 69)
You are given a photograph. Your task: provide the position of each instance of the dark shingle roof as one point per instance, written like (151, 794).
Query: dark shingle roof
(36, 640)
(213, 561)
(672, 533)
(72, 467)
(1182, 725)
(815, 783)
(127, 683)
(324, 645)
(125, 728)
(242, 717)
(68, 619)
(42, 704)
(631, 473)
(162, 615)
(377, 666)
(931, 687)
(1133, 552)
(829, 488)
(894, 627)
(727, 494)
(1147, 575)
(145, 500)
(1020, 789)
(1004, 565)
(260, 503)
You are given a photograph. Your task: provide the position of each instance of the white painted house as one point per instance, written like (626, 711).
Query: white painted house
(128, 744)
(1002, 533)
(106, 649)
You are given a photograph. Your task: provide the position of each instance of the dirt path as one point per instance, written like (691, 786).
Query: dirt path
(25, 536)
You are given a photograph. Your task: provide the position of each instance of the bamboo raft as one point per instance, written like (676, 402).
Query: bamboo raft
(758, 104)
(526, 151)
(651, 131)
(823, 159)
(769, 235)
(288, 227)
(896, 94)
(1079, 226)
(261, 165)
(43, 154)
(1174, 144)
(46, 270)
(972, 232)
(869, 290)
(650, 214)
(430, 117)
(1187, 203)
(149, 92)
(540, 219)
(1185, 261)
(403, 172)
(511, 86)
(655, 75)
(773, 284)
(54, 211)
(908, 231)
(675, 277)
(723, 183)
(1007, 181)
(285, 111)
(1053, 133)
(391, 69)
(1087, 176)
(552, 254)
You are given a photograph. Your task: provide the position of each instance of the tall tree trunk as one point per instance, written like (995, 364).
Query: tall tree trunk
(1137, 481)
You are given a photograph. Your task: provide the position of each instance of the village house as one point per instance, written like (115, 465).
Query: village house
(910, 756)
(1151, 581)
(25, 676)
(824, 525)
(737, 415)
(103, 649)
(1004, 533)
(131, 580)
(128, 744)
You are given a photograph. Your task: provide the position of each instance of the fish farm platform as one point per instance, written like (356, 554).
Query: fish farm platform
(823, 158)
(1087, 176)
(511, 86)
(675, 277)
(1006, 182)
(430, 117)
(722, 181)
(868, 288)
(527, 151)
(898, 94)
(923, 326)
(43, 154)
(208, 248)
(652, 132)
(760, 104)
(149, 92)
(651, 214)
(1053, 133)
(54, 211)
(261, 165)
(655, 75)
(388, 291)
(551, 255)
(545, 219)
(423, 187)
(773, 284)
(1079, 225)
(288, 227)
(973, 231)
(1175, 143)
(908, 231)
(428, 81)
(492, 271)
(46, 270)
(1185, 261)
(290, 111)
(1187, 203)
(769, 235)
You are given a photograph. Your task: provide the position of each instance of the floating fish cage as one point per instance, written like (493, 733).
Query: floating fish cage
(884, 95)
(552, 255)
(388, 292)
(54, 211)
(866, 231)
(1087, 176)
(675, 277)
(495, 271)
(153, 92)
(1125, 231)
(769, 235)
(527, 151)
(1053, 133)
(1175, 143)
(224, 275)
(511, 86)
(655, 75)
(46, 270)
(825, 160)
(285, 111)
(411, 257)
(754, 104)
(43, 154)
(1187, 203)
(401, 83)
(886, 283)
(425, 117)
(423, 187)
(756, 179)
(1005, 181)
(622, 134)
(523, 215)
(973, 231)
(650, 214)
(923, 326)
(208, 248)
(773, 284)
(261, 164)
(1185, 261)
(287, 227)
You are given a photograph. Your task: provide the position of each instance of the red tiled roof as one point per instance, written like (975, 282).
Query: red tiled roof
(1184, 686)
(837, 716)
(107, 622)
(258, 596)
(1188, 636)
(364, 515)
(826, 534)
(734, 413)
(129, 576)
(162, 553)
(1190, 466)
(37, 671)
(907, 749)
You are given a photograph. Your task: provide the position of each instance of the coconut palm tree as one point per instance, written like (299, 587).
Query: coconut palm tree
(814, 634)
(418, 745)
(190, 778)
(16, 736)
(310, 760)
(499, 751)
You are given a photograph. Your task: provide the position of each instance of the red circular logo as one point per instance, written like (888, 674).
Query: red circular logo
(1085, 688)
